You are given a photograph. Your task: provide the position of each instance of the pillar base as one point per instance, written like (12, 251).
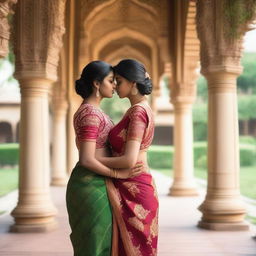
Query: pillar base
(34, 228)
(59, 181)
(237, 226)
(183, 192)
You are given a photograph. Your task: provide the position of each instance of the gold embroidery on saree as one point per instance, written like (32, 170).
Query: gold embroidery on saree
(154, 227)
(122, 134)
(136, 223)
(132, 188)
(141, 212)
(137, 250)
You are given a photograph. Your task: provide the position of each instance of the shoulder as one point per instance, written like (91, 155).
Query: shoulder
(88, 113)
(136, 109)
(138, 112)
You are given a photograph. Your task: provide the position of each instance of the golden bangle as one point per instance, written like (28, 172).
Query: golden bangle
(112, 174)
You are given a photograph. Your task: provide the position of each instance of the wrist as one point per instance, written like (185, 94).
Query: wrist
(113, 173)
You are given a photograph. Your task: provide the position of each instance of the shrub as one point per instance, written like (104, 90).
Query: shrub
(9, 154)
(160, 157)
(200, 131)
(247, 155)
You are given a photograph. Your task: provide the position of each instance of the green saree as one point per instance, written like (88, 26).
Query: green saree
(89, 211)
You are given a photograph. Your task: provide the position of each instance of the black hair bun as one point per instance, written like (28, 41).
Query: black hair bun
(81, 88)
(145, 88)
(94, 71)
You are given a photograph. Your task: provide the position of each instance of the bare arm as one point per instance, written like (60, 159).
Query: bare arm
(128, 160)
(88, 160)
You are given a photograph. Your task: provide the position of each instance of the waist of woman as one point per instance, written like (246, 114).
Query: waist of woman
(142, 157)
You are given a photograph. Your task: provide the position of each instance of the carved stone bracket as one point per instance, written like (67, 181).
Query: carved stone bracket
(5, 10)
(38, 38)
(217, 49)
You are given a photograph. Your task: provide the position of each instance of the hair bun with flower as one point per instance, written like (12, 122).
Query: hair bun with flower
(147, 75)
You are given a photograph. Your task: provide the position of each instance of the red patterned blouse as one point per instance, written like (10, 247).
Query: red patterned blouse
(92, 124)
(137, 124)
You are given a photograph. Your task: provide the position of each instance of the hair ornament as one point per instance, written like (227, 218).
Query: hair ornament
(147, 75)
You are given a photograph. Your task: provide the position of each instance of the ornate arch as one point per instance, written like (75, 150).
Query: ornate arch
(119, 54)
(137, 36)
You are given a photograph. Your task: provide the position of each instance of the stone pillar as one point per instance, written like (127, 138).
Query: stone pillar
(59, 160)
(5, 9)
(223, 208)
(221, 52)
(38, 38)
(35, 211)
(183, 183)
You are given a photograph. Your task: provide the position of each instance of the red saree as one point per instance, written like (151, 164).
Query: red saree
(134, 201)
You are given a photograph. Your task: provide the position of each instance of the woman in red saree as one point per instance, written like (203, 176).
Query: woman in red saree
(88, 207)
(134, 200)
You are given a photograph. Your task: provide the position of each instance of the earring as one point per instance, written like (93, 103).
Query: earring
(134, 91)
(97, 93)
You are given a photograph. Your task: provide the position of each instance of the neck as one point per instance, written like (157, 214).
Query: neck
(93, 100)
(137, 99)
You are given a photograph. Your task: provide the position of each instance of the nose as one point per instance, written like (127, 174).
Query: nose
(114, 84)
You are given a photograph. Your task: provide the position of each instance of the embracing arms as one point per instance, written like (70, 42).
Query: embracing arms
(128, 160)
(88, 160)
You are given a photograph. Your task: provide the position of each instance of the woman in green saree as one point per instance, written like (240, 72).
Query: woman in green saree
(88, 206)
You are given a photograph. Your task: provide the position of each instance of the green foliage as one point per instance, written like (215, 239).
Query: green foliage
(115, 107)
(237, 13)
(246, 107)
(9, 154)
(200, 113)
(246, 82)
(247, 154)
(200, 131)
(202, 89)
(160, 157)
(200, 121)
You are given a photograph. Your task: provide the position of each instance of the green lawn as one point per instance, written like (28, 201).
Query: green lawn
(247, 179)
(8, 180)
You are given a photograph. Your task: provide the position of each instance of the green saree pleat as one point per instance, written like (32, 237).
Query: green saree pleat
(89, 213)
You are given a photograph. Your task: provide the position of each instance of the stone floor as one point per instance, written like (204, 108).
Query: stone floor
(178, 236)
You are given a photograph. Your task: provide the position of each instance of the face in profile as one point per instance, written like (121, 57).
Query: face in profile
(107, 86)
(123, 86)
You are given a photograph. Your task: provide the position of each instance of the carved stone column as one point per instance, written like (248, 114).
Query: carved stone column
(183, 184)
(38, 38)
(223, 208)
(59, 145)
(184, 50)
(5, 9)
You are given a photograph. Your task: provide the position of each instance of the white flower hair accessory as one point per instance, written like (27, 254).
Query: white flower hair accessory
(147, 75)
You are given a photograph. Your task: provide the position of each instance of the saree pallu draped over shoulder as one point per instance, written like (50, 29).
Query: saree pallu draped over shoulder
(135, 216)
(89, 212)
